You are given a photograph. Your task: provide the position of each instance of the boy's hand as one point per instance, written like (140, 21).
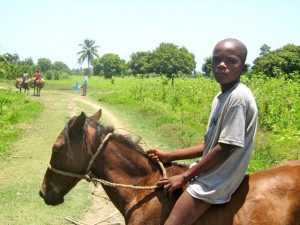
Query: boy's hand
(172, 183)
(158, 155)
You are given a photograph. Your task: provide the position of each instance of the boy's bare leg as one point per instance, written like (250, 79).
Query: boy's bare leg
(187, 210)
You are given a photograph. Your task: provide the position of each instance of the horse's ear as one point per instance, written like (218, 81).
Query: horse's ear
(97, 115)
(77, 125)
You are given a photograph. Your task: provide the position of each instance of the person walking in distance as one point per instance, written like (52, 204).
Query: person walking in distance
(84, 84)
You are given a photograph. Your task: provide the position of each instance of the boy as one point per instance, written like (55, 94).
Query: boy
(25, 78)
(228, 141)
(38, 75)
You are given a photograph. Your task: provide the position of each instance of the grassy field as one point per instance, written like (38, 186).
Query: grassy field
(178, 115)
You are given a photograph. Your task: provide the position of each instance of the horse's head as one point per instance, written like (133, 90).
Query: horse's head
(71, 153)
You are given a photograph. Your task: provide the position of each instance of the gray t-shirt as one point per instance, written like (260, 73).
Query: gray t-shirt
(233, 120)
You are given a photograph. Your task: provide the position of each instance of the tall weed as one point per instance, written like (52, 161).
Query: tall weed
(15, 110)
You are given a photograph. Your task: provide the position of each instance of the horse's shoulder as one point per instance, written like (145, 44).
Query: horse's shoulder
(175, 168)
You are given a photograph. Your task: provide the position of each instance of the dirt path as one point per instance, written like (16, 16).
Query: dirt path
(102, 211)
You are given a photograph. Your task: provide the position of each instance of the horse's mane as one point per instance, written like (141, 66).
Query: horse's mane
(126, 140)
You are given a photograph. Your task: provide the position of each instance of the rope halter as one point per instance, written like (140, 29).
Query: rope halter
(89, 177)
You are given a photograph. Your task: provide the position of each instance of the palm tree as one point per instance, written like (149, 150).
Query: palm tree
(89, 51)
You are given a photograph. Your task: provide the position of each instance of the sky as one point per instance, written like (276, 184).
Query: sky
(53, 29)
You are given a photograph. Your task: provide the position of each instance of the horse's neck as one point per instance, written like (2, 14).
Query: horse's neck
(120, 164)
(127, 165)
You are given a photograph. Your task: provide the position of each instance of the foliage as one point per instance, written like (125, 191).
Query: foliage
(60, 66)
(44, 64)
(10, 68)
(264, 49)
(278, 103)
(284, 61)
(12, 58)
(140, 63)
(169, 59)
(15, 108)
(206, 67)
(55, 75)
(109, 65)
(89, 52)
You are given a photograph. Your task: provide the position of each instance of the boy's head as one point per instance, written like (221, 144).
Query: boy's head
(228, 61)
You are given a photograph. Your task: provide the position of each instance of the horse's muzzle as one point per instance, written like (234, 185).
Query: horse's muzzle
(51, 198)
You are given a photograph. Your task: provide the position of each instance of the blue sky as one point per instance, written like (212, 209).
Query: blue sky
(53, 28)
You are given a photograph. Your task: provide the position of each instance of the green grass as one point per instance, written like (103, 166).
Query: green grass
(16, 110)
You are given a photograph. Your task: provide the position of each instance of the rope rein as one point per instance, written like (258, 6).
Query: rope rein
(90, 177)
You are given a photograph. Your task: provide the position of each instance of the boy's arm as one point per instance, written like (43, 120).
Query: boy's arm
(218, 153)
(186, 153)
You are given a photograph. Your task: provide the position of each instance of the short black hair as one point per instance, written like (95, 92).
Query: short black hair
(244, 50)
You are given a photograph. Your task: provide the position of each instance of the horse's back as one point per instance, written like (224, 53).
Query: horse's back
(268, 197)
(273, 197)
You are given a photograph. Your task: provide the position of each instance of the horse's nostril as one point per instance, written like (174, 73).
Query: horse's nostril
(41, 194)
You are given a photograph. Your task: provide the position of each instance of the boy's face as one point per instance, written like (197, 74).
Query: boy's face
(227, 63)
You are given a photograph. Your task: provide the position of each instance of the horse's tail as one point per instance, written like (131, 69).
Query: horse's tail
(42, 83)
(18, 82)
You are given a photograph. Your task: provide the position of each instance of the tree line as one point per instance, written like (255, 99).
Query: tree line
(282, 62)
(167, 60)
(12, 67)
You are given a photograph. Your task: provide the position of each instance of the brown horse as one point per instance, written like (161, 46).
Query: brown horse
(268, 197)
(23, 85)
(38, 85)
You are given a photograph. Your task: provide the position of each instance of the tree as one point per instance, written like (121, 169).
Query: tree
(110, 65)
(88, 52)
(171, 60)
(13, 58)
(284, 61)
(44, 64)
(264, 49)
(60, 66)
(140, 62)
(27, 61)
(206, 67)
